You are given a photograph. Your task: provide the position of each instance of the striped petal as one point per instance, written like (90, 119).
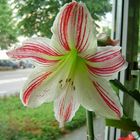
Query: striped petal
(109, 97)
(47, 83)
(65, 106)
(74, 28)
(38, 89)
(95, 94)
(37, 49)
(106, 62)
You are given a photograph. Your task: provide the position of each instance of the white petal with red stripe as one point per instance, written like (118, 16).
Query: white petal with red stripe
(47, 83)
(38, 49)
(74, 28)
(38, 88)
(96, 94)
(65, 106)
(108, 95)
(106, 62)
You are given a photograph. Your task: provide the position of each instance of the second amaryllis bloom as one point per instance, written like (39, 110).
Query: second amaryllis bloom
(71, 70)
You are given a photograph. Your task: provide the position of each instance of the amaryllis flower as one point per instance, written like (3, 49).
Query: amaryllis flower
(71, 70)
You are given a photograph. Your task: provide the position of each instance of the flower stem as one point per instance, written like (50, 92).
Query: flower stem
(90, 131)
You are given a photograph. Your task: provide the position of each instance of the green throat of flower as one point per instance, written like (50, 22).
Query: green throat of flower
(70, 64)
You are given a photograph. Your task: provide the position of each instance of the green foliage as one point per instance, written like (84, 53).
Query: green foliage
(37, 16)
(124, 124)
(134, 94)
(18, 122)
(7, 28)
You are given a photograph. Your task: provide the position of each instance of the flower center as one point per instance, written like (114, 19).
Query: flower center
(71, 64)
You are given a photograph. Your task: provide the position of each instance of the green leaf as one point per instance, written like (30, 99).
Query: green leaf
(124, 124)
(8, 30)
(134, 94)
(119, 85)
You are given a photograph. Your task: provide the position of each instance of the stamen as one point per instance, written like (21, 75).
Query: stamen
(60, 81)
(66, 80)
(72, 83)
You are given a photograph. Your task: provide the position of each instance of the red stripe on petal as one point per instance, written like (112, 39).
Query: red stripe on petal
(65, 110)
(22, 53)
(40, 48)
(44, 61)
(62, 30)
(34, 51)
(100, 57)
(65, 27)
(82, 25)
(98, 54)
(61, 105)
(79, 25)
(101, 53)
(85, 28)
(85, 45)
(111, 104)
(68, 112)
(64, 22)
(27, 93)
(107, 70)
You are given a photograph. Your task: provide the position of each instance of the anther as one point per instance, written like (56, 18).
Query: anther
(72, 83)
(60, 81)
(66, 80)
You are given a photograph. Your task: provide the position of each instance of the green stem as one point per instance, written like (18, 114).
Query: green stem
(90, 131)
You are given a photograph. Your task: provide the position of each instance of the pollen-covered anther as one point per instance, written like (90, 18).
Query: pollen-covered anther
(67, 82)
(73, 87)
(72, 83)
(60, 81)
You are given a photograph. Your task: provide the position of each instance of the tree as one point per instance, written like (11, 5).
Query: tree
(37, 16)
(7, 29)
